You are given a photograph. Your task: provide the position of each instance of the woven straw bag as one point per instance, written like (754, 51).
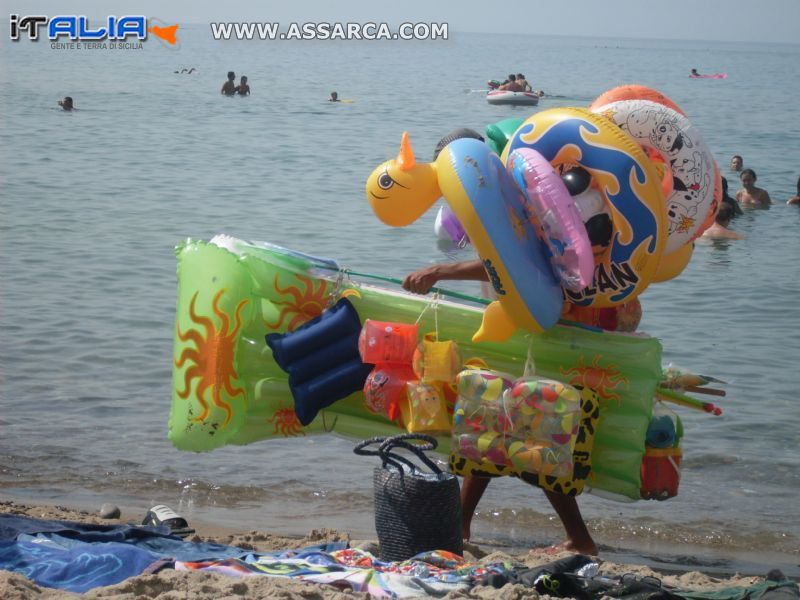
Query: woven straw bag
(415, 511)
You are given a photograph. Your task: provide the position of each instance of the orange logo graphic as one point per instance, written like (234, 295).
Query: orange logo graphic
(165, 33)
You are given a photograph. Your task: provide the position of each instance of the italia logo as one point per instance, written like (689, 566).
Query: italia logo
(78, 28)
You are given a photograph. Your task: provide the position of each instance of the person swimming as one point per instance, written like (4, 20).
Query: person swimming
(334, 97)
(67, 104)
(695, 73)
(243, 89)
(229, 87)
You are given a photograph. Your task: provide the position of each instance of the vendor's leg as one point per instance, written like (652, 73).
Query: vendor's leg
(578, 538)
(472, 489)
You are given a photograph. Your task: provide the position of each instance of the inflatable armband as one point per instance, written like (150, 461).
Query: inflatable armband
(435, 360)
(385, 389)
(321, 358)
(425, 411)
(560, 224)
(383, 342)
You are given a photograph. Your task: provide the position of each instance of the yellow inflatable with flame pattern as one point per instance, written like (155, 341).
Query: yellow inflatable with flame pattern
(631, 189)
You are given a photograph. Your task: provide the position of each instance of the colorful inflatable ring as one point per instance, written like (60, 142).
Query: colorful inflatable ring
(641, 92)
(659, 128)
(633, 92)
(629, 184)
(492, 210)
(560, 224)
(673, 264)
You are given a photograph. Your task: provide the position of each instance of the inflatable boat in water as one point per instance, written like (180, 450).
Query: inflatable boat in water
(514, 98)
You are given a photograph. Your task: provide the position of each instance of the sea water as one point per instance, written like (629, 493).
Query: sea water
(94, 201)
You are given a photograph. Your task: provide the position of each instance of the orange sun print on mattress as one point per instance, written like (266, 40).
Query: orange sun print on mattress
(603, 380)
(303, 304)
(211, 358)
(286, 422)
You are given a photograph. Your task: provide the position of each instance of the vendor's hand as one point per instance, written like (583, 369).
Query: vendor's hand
(420, 282)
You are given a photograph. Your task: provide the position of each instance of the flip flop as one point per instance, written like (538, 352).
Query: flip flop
(164, 515)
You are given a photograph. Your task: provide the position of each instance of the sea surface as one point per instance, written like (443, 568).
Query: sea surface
(94, 202)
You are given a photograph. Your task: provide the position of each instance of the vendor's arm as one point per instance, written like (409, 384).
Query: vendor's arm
(421, 281)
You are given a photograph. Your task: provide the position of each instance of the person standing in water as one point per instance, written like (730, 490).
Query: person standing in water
(243, 89)
(719, 229)
(750, 194)
(229, 87)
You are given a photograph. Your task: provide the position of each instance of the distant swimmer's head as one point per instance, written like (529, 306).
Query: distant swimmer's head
(231, 75)
(748, 178)
(512, 77)
(456, 134)
(736, 162)
(243, 79)
(66, 103)
(520, 76)
(724, 214)
(334, 97)
(694, 72)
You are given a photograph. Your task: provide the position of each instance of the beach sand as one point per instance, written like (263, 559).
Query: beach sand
(196, 585)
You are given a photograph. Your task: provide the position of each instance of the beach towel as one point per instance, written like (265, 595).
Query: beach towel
(77, 569)
(428, 573)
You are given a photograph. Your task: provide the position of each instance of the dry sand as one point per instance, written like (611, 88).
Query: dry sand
(196, 585)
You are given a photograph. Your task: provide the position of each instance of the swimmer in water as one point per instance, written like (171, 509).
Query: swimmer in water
(229, 87)
(334, 97)
(66, 103)
(719, 228)
(243, 89)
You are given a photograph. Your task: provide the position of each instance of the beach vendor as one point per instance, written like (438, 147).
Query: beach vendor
(579, 540)
(420, 282)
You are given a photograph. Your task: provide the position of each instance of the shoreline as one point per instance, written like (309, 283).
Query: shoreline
(629, 548)
(613, 562)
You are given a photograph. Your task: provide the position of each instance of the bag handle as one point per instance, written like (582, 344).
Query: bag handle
(400, 441)
(387, 444)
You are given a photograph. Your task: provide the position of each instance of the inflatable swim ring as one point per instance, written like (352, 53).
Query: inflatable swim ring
(513, 98)
(667, 132)
(231, 293)
(492, 210)
(633, 92)
(629, 184)
(560, 224)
